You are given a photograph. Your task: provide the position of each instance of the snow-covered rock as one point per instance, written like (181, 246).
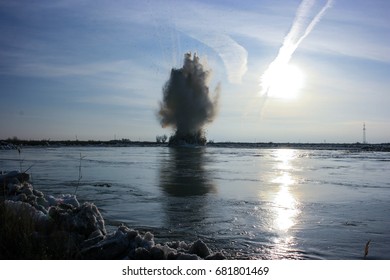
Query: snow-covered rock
(66, 221)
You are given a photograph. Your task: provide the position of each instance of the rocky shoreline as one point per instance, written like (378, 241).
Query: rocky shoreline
(34, 225)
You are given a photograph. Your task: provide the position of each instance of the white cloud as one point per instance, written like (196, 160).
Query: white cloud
(233, 55)
(199, 21)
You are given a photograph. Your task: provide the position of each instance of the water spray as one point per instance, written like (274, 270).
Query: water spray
(187, 105)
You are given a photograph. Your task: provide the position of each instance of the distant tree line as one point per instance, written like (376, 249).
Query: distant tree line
(161, 138)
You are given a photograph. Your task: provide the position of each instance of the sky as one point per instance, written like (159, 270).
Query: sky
(95, 70)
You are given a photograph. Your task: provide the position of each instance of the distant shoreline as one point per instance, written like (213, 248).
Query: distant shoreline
(14, 144)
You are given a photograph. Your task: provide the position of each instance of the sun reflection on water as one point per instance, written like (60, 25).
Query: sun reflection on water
(286, 206)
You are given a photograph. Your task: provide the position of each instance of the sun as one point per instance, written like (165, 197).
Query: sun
(282, 81)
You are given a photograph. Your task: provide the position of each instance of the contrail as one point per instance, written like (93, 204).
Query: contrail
(302, 25)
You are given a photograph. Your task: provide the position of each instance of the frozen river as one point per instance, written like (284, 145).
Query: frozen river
(248, 203)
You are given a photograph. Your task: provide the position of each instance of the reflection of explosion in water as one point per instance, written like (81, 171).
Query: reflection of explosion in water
(186, 104)
(183, 173)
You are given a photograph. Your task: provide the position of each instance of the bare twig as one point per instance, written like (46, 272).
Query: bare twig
(20, 158)
(80, 175)
(366, 248)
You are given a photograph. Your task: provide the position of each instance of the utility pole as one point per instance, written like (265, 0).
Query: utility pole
(364, 134)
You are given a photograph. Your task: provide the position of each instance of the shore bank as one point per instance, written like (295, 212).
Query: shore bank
(14, 144)
(34, 225)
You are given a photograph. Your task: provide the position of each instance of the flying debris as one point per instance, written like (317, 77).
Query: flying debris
(187, 105)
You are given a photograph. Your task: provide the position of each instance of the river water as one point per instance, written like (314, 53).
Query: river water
(248, 203)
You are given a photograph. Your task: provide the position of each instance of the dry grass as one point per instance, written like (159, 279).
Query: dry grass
(16, 233)
(19, 238)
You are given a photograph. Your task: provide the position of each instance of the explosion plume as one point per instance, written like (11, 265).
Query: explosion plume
(187, 105)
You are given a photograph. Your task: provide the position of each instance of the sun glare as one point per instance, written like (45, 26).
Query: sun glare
(283, 81)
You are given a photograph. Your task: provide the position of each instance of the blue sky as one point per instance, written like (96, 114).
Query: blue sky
(96, 69)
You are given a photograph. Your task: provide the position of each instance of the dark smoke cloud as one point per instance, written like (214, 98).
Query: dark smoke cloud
(187, 105)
